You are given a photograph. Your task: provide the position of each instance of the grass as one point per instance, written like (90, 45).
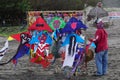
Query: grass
(7, 31)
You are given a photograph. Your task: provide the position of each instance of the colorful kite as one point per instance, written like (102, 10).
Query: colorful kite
(39, 49)
(40, 25)
(71, 42)
(72, 25)
(3, 50)
(23, 48)
(57, 23)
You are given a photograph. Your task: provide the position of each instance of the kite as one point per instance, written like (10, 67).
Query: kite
(72, 25)
(71, 42)
(75, 51)
(40, 25)
(23, 48)
(57, 23)
(39, 55)
(4, 50)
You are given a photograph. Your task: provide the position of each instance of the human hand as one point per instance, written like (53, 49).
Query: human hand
(90, 39)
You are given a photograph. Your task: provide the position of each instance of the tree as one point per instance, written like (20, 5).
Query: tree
(13, 11)
(61, 4)
(23, 5)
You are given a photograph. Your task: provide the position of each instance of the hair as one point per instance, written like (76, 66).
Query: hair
(71, 48)
(99, 23)
(99, 4)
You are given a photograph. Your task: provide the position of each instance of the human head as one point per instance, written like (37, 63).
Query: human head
(99, 4)
(99, 23)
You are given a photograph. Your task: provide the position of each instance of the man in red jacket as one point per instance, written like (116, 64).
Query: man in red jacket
(101, 57)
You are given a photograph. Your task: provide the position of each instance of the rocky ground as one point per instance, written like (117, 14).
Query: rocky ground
(29, 71)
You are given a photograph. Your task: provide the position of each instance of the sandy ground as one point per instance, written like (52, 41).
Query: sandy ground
(29, 71)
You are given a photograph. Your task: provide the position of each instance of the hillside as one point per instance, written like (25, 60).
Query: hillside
(111, 3)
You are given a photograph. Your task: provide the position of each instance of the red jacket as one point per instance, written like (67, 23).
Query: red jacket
(101, 40)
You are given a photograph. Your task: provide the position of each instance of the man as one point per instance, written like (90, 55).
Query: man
(101, 57)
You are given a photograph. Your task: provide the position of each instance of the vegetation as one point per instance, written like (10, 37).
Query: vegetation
(61, 4)
(13, 12)
(7, 31)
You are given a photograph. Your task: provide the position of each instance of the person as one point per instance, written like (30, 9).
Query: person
(101, 50)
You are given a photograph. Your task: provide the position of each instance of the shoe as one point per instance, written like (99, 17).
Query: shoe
(96, 75)
(105, 74)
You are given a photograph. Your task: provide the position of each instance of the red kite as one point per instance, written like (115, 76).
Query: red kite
(40, 25)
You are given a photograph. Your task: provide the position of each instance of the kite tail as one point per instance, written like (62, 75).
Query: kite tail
(5, 62)
(8, 60)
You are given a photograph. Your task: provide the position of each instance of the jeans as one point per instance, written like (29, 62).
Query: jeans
(101, 60)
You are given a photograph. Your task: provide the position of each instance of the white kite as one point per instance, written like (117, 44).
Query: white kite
(3, 50)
